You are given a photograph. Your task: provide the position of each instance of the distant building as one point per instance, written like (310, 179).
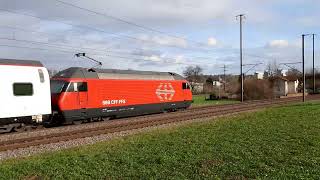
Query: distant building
(216, 83)
(283, 86)
(258, 75)
(197, 88)
(212, 84)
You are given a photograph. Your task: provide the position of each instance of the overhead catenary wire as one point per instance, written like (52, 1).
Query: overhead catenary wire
(82, 48)
(95, 49)
(164, 61)
(126, 21)
(74, 49)
(115, 35)
(102, 31)
(79, 48)
(252, 66)
(84, 39)
(291, 67)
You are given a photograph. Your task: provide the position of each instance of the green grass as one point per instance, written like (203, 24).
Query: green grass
(282, 143)
(199, 100)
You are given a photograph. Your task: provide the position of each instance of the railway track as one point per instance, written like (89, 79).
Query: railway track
(145, 121)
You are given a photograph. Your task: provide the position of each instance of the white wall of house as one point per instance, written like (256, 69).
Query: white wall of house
(283, 87)
(197, 87)
(293, 87)
(216, 83)
(280, 88)
(258, 75)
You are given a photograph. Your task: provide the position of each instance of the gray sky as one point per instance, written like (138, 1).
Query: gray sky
(174, 33)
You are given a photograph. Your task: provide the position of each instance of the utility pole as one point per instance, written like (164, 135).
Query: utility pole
(224, 77)
(303, 71)
(241, 17)
(313, 68)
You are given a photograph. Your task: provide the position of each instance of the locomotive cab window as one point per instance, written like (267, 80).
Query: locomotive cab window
(71, 87)
(22, 89)
(82, 87)
(185, 86)
(58, 86)
(77, 87)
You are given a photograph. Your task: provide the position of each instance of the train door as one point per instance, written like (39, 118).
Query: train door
(82, 89)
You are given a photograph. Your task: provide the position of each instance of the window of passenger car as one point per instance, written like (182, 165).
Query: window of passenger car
(23, 89)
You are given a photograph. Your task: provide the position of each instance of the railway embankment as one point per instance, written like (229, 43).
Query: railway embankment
(274, 143)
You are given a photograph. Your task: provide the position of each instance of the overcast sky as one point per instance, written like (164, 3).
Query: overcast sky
(161, 35)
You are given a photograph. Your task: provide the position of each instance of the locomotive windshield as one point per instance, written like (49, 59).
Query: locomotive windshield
(56, 86)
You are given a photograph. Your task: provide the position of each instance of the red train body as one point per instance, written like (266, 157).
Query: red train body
(79, 93)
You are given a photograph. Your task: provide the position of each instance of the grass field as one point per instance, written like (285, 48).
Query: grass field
(199, 100)
(282, 143)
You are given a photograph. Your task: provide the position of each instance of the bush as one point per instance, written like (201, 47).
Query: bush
(257, 89)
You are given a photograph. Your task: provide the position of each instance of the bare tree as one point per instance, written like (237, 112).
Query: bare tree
(193, 74)
(272, 69)
(294, 72)
(52, 72)
(192, 71)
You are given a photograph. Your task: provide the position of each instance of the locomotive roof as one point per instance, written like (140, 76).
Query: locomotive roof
(77, 72)
(20, 62)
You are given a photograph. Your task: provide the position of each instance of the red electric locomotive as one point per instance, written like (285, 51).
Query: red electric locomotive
(80, 94)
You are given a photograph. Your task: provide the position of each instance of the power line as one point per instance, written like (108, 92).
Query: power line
(252, 66)
(126, 21)
(94, 49)
(259, 56)
(43, 49)
(77, 48)
(96, 29)
(291, 67)
(109, 33)
(165, 61)
(118, 36)
(68, 46)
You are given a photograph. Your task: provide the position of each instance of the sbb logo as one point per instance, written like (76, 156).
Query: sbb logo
(113, 102)
(165, 92)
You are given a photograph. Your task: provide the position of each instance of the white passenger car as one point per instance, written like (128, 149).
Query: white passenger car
(24, 93)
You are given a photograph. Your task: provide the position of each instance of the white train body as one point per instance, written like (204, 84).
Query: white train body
(24, 91)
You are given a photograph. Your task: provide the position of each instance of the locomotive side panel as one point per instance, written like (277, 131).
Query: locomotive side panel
(118, 98)
(91, 93)
(133, 97)
(113, 93)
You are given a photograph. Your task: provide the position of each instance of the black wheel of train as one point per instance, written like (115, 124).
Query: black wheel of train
(20, 128)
